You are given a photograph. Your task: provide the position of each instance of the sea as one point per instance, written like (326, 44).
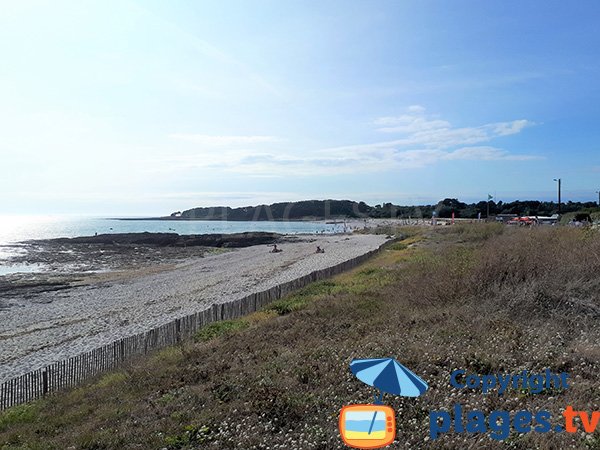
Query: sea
(14, 230)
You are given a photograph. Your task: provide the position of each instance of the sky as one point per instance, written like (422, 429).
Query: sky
(148, 107)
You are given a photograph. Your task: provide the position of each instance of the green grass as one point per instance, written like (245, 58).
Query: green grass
(22, 414)
(191, 435)
(398, 246)
(359, 281)
(218, 329)
(111, 379)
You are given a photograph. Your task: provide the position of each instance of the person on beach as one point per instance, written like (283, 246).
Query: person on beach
(275, 249)
(320, 250)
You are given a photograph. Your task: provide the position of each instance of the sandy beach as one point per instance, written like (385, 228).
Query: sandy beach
(36, 330)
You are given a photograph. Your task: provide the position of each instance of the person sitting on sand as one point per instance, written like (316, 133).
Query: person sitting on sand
(275, 249)
(320, 250)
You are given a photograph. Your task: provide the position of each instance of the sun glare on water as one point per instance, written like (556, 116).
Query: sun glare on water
(19, 228)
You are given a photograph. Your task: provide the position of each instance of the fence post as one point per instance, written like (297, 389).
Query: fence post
(45, 381)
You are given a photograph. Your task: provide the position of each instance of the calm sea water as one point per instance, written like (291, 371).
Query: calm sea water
(16, 229)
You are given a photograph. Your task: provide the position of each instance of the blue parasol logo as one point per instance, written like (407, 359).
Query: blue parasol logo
(389, 376)
(374, 426)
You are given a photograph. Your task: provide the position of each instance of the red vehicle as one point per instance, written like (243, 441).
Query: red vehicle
(522, 221)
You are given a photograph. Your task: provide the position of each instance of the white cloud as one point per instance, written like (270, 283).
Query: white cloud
(418, 109)
(423, 141)
(507, 128)
(418, 129)
(409, 124)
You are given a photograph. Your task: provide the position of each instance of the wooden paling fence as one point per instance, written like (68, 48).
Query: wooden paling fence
(73, 371)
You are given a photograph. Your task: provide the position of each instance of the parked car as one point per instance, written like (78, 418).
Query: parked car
(522, 221)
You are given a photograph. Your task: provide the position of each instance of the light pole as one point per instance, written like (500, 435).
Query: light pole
(558, 179)
(598, 192)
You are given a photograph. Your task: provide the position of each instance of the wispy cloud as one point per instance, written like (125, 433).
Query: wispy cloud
(210, 140)
(487, 154)
(419, 129)
(422, 141)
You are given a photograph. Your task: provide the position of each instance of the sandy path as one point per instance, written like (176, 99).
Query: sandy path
(57, 325)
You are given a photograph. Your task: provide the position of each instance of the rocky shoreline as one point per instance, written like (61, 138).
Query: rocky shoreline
(62, 262)
(234, 240)
(135, 286)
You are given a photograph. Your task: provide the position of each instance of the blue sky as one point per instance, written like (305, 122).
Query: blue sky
(135, 107)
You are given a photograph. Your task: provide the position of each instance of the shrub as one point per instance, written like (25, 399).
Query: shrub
(214, 330)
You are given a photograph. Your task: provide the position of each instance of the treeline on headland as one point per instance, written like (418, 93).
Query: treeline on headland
(340, 209)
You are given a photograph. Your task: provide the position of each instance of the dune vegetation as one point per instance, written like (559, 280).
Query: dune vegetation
(482, 297)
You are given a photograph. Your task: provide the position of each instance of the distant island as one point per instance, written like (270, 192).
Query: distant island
(347, 209)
